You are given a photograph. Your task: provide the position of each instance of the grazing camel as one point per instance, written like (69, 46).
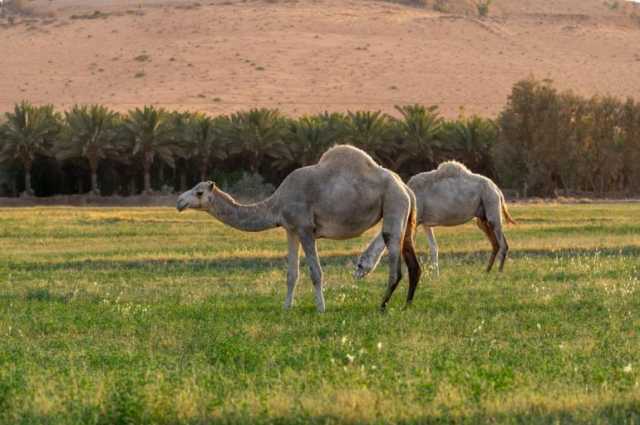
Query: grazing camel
(340, 197)
(449, 196)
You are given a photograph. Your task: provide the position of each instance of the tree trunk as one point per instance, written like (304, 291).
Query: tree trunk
(27, 178)
(183, 181)
(93, 165)
(94, 182)
(147, 181)
(161, 175)
(147, 163)
(27, 181)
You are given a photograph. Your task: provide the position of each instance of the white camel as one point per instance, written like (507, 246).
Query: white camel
(342, 196)
(449, 196)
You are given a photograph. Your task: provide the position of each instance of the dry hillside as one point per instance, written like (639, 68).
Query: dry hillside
(307, 56)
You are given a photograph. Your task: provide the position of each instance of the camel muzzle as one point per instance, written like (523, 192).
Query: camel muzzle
(181, 205)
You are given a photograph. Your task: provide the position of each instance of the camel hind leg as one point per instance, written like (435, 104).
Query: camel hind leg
(409, 254)
(484, 226)
(396, 209)
(504, 246)
(498, 241)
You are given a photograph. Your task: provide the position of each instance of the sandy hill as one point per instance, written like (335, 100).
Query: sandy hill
(307, 56)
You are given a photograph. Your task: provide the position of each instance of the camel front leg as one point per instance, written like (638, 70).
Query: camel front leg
(433, 247)
(293, 270)
(310, 252)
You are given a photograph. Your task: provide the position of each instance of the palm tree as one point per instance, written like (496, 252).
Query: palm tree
(151, 133)
(370, 131)
(28, 131)
(207, 143)
(473, 138)
(90, 133)
(417, 134)
(255, 134)
(307, 139)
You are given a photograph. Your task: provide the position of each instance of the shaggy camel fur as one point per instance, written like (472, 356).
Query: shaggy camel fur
(449, 196)
(340, 197)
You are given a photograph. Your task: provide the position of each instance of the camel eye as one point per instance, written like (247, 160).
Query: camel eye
(199, 193)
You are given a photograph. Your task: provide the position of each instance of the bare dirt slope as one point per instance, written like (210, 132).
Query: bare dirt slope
(308, 56)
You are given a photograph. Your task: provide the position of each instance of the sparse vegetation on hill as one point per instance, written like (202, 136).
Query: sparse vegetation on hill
(544, 142)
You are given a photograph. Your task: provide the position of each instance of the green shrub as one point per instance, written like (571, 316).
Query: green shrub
(483, 7)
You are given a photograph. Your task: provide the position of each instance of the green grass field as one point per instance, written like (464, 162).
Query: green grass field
(144, 315)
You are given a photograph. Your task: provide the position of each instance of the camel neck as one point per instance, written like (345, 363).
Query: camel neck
(249, 218)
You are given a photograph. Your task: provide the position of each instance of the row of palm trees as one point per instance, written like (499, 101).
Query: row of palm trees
(258, 140)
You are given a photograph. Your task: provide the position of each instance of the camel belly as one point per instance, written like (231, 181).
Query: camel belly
(348, 228)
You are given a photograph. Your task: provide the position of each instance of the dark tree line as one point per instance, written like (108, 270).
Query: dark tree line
(542, 142)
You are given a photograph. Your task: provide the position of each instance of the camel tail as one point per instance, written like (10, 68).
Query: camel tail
(409, 251)
(505, 210)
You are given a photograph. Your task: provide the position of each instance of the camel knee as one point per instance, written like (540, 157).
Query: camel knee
(292, 277)
(316, 277)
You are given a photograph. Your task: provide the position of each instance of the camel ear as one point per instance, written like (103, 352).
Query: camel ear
(211, 185)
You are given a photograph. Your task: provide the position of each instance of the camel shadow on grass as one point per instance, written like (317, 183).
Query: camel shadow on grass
(263, 264)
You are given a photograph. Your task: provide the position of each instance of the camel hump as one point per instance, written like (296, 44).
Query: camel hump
(347, 155)
(449, 169)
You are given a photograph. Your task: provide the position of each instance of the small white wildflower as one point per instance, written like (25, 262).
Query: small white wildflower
(350, 358)
(374, 367)
(379, 346)
(538, 326)
(344, 340)
(627, 369)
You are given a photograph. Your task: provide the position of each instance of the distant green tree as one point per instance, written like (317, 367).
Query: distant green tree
(89, 132)
(151, 133)
(208, 144)
(308, 138)
(472, 139)
(602, 151)
(417, 135)
(371, 131)
(27, 132)
(255, 135)
(630, 133)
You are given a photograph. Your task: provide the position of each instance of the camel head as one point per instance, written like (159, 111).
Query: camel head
(197, 198)
(364, 265)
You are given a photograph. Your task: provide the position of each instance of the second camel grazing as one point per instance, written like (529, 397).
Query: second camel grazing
(342, 196)
(449, 196)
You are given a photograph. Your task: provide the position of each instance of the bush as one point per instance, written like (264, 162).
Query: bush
(483, 7)
(250, 187)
